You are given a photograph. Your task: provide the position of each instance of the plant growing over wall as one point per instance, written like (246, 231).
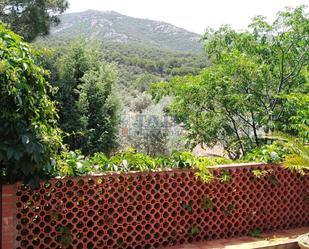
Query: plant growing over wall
(72, 163)
(258, 173)
(225, 176)
(203, 165)
(269, 153)
(195, 230)
(207, 204)
(131, 160)
(187, 207)
(30, 138)
(66, 237)
(255, 232)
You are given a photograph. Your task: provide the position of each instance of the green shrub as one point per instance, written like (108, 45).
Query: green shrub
(29, 135)
(72, 163)
(132, 161)
(182, 160)
(270, 153)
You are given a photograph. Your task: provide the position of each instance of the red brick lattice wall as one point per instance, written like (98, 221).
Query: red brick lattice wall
(153, 210)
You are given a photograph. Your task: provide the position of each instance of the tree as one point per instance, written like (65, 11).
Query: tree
(241, 96)
(71, 67)
(30, 138)
(88, 109)
(31, 18)
(98, 106)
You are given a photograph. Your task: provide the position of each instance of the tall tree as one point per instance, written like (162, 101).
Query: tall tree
(88, 109)
(98, 107)
(71, 67)
(31, 18)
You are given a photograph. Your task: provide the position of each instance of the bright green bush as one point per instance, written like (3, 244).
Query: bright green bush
(269, 153)
(132, 161)
(72, 163)
(29, 135)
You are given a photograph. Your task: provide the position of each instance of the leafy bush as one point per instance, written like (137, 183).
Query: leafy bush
(132, 161)
(29, 135)
(291, 151)
(204, 163)
(99, 161)
(269, 153)
(72, 163)
(182, 160)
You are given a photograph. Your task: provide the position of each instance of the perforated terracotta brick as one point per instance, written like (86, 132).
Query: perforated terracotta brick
(153, 210)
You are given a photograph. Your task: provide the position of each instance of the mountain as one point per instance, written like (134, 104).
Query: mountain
(113, 26)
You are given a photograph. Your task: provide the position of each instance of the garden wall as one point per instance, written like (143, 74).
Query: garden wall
(152, 210)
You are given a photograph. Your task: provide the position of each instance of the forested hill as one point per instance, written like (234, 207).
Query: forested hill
(112, 26)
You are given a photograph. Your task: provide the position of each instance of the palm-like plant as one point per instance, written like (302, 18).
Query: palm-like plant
(298, 157)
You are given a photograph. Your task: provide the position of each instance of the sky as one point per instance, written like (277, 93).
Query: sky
(193, 15)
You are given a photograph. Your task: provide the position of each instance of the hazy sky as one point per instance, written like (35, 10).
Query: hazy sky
(194, 15)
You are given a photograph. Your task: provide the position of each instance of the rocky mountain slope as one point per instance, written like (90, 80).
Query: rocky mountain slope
(112, 26)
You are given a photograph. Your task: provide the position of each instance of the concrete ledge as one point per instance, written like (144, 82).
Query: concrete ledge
(278, 240)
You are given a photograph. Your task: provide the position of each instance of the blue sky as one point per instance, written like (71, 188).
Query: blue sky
(194, 15)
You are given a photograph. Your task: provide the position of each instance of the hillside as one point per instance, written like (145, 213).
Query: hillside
(112, 26)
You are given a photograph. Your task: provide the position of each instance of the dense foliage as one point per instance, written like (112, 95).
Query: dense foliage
(87, 104)
(31, 18)
(147, 59)
(249, 89)
(268, 153)
(29, 135)
(74, 163)
(134, 61)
